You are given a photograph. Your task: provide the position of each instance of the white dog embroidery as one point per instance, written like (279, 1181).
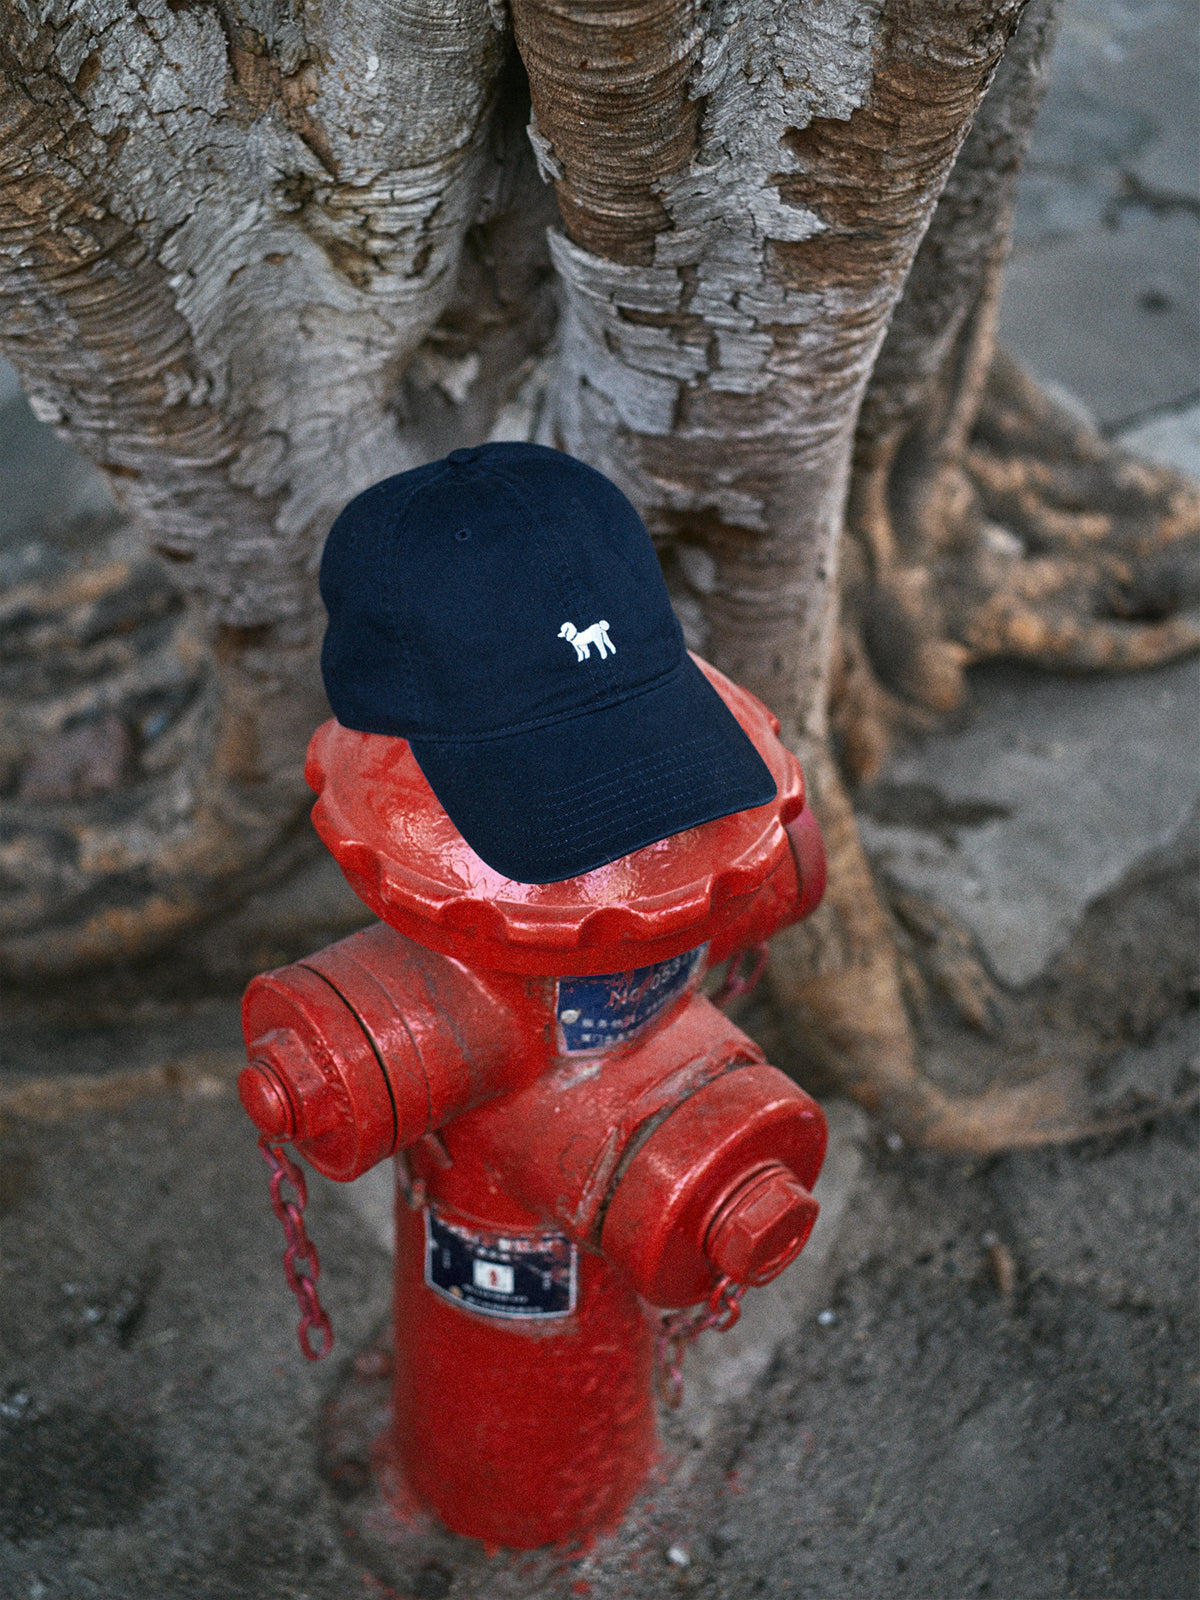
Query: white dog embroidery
(596, 635)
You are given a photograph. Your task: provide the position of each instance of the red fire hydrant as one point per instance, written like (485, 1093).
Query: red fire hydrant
(580, 1135)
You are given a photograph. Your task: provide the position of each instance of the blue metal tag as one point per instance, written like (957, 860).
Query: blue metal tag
(597, 1013)
(500, 1274)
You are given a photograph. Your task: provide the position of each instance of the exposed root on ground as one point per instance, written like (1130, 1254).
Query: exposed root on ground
(841, 983)
(141, 780)
(1049, 546)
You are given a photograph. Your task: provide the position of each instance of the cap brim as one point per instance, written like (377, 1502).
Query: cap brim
(553, 802)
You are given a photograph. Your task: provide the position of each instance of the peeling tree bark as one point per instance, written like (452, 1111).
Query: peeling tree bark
(716, 352)
(224, 247)
(224, 255)
(715, 357)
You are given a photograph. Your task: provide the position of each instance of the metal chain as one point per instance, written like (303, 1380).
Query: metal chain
(679, 1329)
(301, 1252)
(735, 983)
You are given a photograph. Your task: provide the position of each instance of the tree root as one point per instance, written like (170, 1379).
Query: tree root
(147, 777)
(841, 983)
(1096, 564)
(1049, 546)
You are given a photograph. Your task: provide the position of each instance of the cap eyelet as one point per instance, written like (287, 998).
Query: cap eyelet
(462, 534)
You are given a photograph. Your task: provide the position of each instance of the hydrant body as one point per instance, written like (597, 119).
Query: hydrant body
(517, 1429)
(581, 1135)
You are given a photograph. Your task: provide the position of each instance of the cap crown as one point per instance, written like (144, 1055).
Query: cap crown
(501, 589)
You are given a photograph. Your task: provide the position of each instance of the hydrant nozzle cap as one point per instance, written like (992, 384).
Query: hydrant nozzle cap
(761, 1226)
(265, 1101)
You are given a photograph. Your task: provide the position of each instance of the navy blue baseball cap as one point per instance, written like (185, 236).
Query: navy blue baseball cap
(503, 610)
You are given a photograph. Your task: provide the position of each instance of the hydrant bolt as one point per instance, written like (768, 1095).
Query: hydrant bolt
(265, 1101)
(761, 1226)
(287, 1089)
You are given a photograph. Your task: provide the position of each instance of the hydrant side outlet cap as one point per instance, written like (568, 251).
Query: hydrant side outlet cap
(504, 611)
(722, 1182)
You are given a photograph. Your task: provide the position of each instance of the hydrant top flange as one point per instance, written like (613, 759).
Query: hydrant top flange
(405, 859)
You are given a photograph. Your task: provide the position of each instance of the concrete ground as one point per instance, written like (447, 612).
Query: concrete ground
(981, 1378)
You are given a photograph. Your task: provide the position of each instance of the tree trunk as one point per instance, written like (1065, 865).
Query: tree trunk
(736, 243)
(254, 257)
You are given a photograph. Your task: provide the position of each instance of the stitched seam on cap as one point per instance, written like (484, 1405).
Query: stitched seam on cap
(600, 828)
(594, 793)
(546, 539)
(577, 839)
(462, 740)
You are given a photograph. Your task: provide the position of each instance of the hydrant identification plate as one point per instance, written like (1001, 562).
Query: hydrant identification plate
(599, 1012)
(500, 1274)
